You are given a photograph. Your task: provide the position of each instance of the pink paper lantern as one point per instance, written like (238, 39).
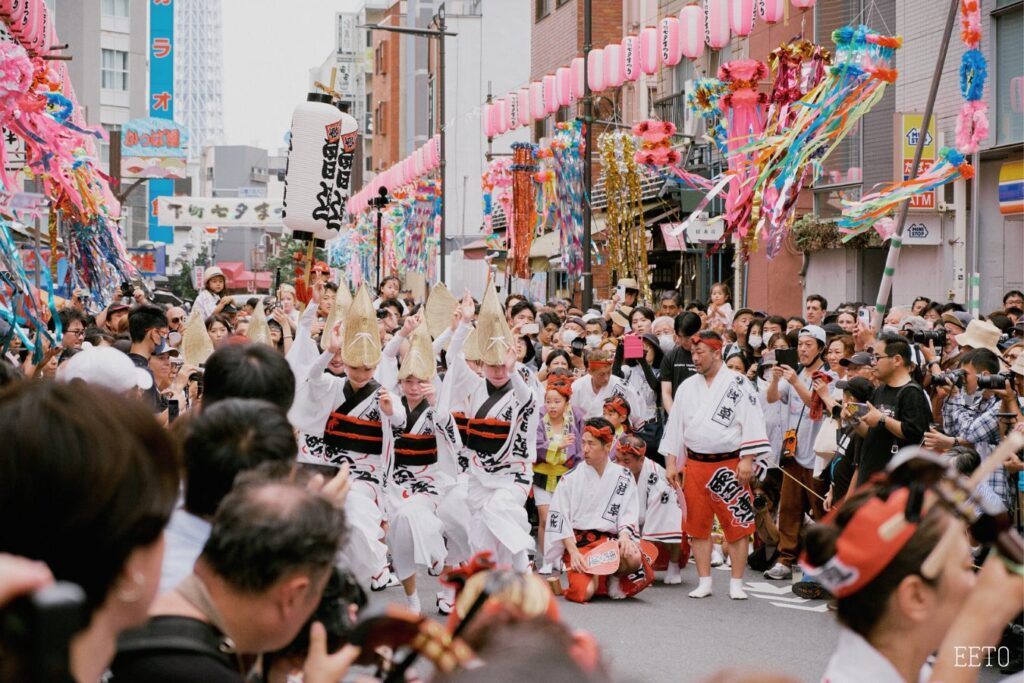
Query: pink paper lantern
(650, 54)
(691, 31)
(771, 11)
(596, 70)
(525, 115)
(577, 84)
(490, 130)
(420, 162)
(512, 112)
(500, 118)
(613, 65)
(550, 94)
(630, 58)
(803, 4)
(668, 41)
(563, 86)
(434, 152)
(716, 23)
(537, 108)
(741, 17)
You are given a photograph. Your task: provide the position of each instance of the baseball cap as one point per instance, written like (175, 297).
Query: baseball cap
(117, 306)
(834, 330)
(860, 358)
(861, 389)
(107, 367)
(813, 331)
(165, 348)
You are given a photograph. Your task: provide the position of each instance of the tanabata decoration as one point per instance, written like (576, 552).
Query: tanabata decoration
(497, 191)
(657, 154)
(743, 107)
(567, 155)
(524, 215)
(627, 235)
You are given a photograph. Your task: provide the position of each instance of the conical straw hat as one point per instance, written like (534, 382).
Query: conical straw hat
(196, 345)
(419, 361)
(362, 338)
(441, 304)
(470, 349)
(259, 330)
(342, 302)
(493, 335)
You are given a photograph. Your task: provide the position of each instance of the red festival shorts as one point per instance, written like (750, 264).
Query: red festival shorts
(629, 584)
(713, 490)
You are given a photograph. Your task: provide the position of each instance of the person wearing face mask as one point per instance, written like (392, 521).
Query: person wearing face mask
(148, 327)
(571, 329)
(755, 338)
(597, 331)
(677, 364)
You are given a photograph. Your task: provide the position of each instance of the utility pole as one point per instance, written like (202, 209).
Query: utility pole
(588, 180)
(441, 26)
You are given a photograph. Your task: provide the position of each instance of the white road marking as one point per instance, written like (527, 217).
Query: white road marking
(815, 608)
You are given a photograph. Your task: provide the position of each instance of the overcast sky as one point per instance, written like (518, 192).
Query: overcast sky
(269, 47)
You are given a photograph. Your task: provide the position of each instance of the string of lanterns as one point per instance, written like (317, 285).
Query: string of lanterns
(417, 166)
(711, 23)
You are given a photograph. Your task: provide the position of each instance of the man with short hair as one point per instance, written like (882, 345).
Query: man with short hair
(741, 325)
(596, 330)
(248, 371)
(115, 318)
(72, 322)
(814, 309)
(803, 395)
(258, 580)
(147, 325)
(561, 309)
(670, 304)
(226, 439)
(677, 365)
(1013, 299)
(717, 428)
(590, 391)
(898, 413)
(176, 319)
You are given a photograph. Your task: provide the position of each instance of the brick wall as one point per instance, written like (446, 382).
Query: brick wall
(552, 41)
(387, 91)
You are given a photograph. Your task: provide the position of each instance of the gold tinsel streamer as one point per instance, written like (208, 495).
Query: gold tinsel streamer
(627, 235)
(53, 242)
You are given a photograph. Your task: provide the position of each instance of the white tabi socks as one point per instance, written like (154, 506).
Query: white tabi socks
(703, 588)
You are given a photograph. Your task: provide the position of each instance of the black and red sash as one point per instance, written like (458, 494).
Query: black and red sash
(415, 450)
(462, 424)
(486, 434)
(349, 433)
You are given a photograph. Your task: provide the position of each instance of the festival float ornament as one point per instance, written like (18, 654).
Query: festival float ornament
(613, 65)
(668, 40)
(656, 154)
(550, 94)
(771, 11)
(577, 82)
(630, 58)
(716, 23)
(650, 55)
(521, 222)
(741, 17)
(596, 70)
(627, 235)
(563, 86)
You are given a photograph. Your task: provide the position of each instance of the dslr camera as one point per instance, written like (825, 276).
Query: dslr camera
(993, 381)
(923, 337)
(953, 378)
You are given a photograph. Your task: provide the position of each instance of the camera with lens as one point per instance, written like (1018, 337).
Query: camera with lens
(760, 502)
(924, 336)
(36, 632)
(992, 381)
(953, 378)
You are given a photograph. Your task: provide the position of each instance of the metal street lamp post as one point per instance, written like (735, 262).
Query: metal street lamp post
(378, 203)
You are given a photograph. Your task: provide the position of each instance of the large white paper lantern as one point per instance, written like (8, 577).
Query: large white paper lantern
(346, 157)
(716, 23)
(771, 11)
(595, 70)
(691, 31)
(312, 163)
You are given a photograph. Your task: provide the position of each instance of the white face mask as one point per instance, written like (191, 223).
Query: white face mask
(667, 342)
(569, 335)
(593, 340)
(755, 341)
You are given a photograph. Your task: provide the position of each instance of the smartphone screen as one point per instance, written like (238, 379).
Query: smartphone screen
(530, 328)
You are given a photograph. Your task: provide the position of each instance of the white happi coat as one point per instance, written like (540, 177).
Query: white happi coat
(416, 533)
(499, 484)
(591, 403)
(587, 501)
(661, 517)
(856, 660)
(720, 418)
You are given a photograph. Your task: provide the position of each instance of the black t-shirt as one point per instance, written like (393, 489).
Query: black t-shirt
(159, 653)
(152, 394)
(676, 367)
(910, 406)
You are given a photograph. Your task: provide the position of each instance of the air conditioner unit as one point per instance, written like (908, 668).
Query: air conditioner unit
(692, 122)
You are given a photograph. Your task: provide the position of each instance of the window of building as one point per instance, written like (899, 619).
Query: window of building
(380, 119)
(559, 3)
(1009, 76)
(115, 8)
(380, 59)
(542, 9)
(114, 74)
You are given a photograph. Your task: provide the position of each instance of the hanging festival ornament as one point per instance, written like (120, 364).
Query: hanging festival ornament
(630, 58)
(596, 70)
(563, 86)
(520, 234)
(537, 109)
(577, 82)
(668, 41)
(525, 114)
(803, 4)
(771, 11)
(691, 31)
(650, 55)
(613, 65)
(716, 23)
(550, 97)
(741, 17)
(512, 112)
(312, 160)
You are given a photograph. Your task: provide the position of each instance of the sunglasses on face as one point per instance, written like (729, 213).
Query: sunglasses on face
(175, 320)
